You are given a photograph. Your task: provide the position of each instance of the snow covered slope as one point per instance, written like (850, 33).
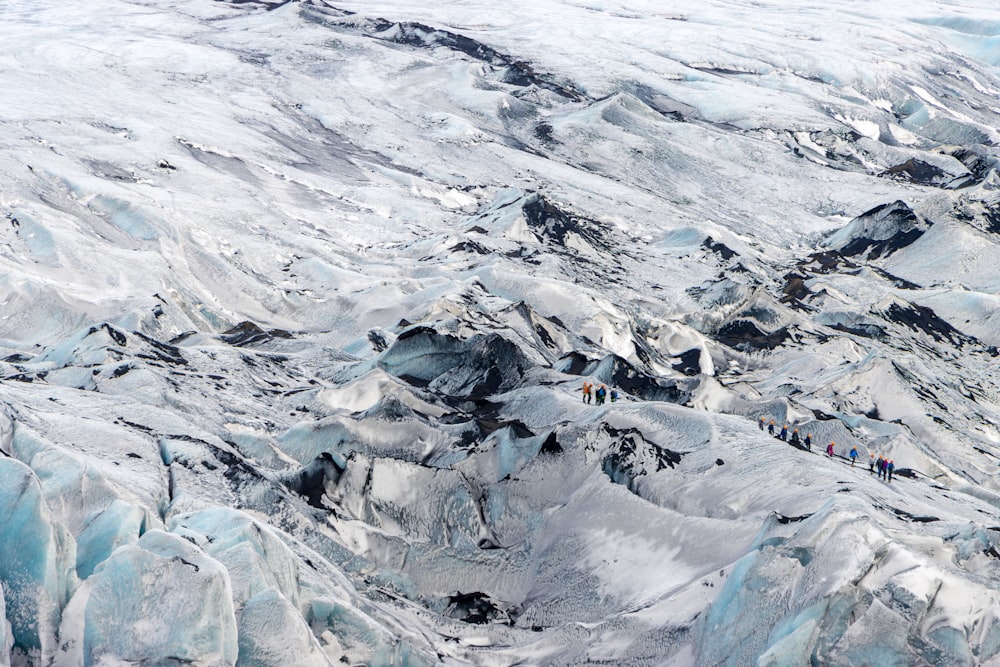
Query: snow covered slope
(299, 297)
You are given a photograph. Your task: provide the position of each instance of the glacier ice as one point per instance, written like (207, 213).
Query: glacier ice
(298, 299)
(6, 637)
(161, 600)
(106, 530)
(37, 562)
(273, 633)
(256, 560)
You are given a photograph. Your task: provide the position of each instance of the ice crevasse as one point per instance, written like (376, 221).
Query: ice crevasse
(37, 564)
(219, 590)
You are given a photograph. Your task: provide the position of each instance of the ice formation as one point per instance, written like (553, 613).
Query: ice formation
(299, 298)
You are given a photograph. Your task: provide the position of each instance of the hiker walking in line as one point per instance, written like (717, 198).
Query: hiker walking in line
(600, 394)
(889, 467)
(784, 432)
(854, 455)
(770, 428)
(829, 449)
(871, 462)
(761, 423)
(809, 441)
(586, 391)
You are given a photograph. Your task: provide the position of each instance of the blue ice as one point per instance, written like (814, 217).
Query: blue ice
(106, 530)
(256, 559)
(160, 601)
(34, 570)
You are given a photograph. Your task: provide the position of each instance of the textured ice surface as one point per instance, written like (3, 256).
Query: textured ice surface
(273, 633)
(36, 562)
(6, 638)
(298, 299)
(256, 560)
(162, 601)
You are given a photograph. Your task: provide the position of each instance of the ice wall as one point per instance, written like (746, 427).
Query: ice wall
(161, 601)
(6, 640)
(37, 559)
(274, 634)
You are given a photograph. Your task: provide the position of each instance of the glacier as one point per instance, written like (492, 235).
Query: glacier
(298, 298)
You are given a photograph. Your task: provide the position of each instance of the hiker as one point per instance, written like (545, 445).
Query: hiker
(889, 467)
(784, 433)
(881, 467)
(600, 394)
(871, 462)
(761, 423)
(829, 448)
(614, 395)
(586, 391)
(770, 428)
(809, 441)
(854, 455)
(795, 437)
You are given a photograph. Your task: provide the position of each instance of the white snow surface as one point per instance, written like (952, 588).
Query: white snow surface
(298, 298)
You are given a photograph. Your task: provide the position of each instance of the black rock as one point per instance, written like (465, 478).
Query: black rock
(744, 335)
(631, 457)
(474, 368)
(690, 362)
(313, 480)
(248, 333)
(475, 608)
(720, 249)
(881, 231)
(551, 445)
(922, 318)
(244, 333)
(923, 173)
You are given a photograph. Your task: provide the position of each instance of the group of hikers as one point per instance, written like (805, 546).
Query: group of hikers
(884, 466)
(783, 434)
(599, 395)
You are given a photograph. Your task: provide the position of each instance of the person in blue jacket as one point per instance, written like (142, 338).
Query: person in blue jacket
(854, 455)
